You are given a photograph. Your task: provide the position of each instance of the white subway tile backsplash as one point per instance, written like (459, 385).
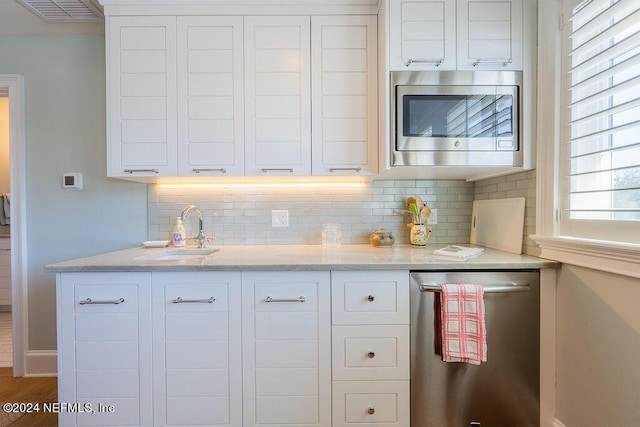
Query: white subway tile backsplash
(242, 215)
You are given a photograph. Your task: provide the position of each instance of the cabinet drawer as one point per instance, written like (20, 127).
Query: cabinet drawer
(371, 353)
(374, 297)
(370, 403)
(283, 296)
(196, 298)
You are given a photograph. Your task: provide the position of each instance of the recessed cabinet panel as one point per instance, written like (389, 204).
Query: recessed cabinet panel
(141, 61)
(210, 96)
(490, 34)
(286, 348)
(277, 67)
(344, 95)
(422, 35)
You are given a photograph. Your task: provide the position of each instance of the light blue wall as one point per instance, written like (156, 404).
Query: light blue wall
(65, 132)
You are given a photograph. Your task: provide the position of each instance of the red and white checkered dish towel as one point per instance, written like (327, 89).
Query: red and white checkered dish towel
(464, 337)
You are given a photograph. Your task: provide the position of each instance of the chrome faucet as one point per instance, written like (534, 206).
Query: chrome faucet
(201, 238)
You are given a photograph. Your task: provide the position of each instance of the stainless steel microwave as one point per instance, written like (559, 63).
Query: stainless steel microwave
(456, 118)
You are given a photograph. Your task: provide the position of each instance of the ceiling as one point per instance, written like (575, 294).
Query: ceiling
(17, 19)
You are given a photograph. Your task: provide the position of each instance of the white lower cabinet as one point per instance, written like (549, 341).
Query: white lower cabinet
(197, 366)
(370, 349)
(286, 348)
(234, 349)
(104, 349)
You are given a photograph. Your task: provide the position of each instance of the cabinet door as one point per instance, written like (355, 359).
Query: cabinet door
(490, 34)
(422, 35)
(344, 95)
(141, 101)
(286, 348)
(277, 97)
(197, 349)
(210, 96)
(104, 348)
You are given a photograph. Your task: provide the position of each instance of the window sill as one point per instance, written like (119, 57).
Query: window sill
(612, 257)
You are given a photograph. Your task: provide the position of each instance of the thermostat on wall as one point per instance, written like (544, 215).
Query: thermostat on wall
(72, 181)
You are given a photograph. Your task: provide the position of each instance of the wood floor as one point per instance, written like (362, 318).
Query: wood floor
(23, 390)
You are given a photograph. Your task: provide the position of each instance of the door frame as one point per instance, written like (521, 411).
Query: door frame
(13, 86)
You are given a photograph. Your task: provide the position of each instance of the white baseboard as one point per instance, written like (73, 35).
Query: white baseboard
(558, 423)
(41, 363)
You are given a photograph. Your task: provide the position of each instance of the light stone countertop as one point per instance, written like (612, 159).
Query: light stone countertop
(300, 257)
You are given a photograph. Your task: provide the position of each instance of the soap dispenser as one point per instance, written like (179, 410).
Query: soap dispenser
(178, 234)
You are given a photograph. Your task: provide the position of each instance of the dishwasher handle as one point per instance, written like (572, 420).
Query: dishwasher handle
(487, 289)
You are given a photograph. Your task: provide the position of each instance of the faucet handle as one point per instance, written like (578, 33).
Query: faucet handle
(202, 240)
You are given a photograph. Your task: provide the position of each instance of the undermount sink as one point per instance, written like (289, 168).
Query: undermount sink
(181, 254)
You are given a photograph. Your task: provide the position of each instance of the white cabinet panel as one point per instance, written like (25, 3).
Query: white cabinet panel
(197, 348)
(104, 347)
(490, 34)
(344, 95)
(422, 35)
(141, 65)
(370, 298)
(277, 58)
(371, 403)
(210, 96)
(286, 351)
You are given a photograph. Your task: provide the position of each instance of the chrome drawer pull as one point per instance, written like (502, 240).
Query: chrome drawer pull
(481, 61)
(345, 169)
(436, 62)
(371, 411)
(487, 289)
(371, 298)
(221, 170)
(89, 301)
(265, 170)
(179, 300)
(371, 355)
(299, 299)
(130, 171)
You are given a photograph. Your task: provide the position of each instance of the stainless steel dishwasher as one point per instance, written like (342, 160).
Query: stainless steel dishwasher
(505, 390)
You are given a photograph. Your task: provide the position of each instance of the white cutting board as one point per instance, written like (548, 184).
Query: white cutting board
(498, 224)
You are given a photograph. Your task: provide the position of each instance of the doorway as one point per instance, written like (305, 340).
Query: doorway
(6, 329)
(12, 221)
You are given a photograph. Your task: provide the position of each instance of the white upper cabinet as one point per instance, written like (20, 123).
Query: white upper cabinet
(344, 95)
(450, 35)
(141, 104)
(422, 35)
(490, 35)
(210, 96)
(277, 95)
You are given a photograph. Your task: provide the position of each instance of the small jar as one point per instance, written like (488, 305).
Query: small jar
(382, 238)
(331, 236)
(419, 234)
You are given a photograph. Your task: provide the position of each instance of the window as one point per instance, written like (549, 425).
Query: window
(600, 161)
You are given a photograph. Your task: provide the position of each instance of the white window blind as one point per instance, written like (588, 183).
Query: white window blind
(601, 160)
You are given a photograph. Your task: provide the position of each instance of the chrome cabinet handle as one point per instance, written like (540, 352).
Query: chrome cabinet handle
(371, 355)
(345, 169)
(371, 411)
(179, 300)
(265, 170)
(198, 170)
(89, 301)
(130, 171)
(487, 289)
(504, 62)
(371, 298)
(436, 62)
(299, 299)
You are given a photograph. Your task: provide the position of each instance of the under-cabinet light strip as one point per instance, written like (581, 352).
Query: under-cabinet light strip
(268, 185)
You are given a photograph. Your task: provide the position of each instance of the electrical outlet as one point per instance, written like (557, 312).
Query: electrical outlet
(433, 219)
(280, 218)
